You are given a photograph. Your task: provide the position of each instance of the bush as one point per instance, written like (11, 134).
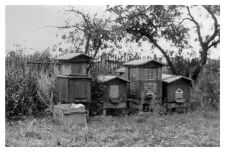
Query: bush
(209, 84)
(23, 96)
(97, 91)
(47, 84)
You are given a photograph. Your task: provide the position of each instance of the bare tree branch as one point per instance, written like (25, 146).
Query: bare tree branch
(197, 25)
(67, 27)
(83, 16)
(184, 20)
(215, 24)
(214, 44)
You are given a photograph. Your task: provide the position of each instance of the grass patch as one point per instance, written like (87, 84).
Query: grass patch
(196, 129)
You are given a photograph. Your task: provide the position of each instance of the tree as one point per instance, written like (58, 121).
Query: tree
(207, 41)
(185, 66)
(159, 22)
(89, 31)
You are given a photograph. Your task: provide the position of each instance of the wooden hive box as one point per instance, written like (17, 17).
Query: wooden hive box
(176, 91)
(74, 89)
(145, 77)
(68, 115)
(74, 64)
(115, 94)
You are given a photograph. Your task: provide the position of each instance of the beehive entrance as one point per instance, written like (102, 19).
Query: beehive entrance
(179, 95)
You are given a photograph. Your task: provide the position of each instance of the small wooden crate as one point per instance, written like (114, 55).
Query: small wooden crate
(68, 115)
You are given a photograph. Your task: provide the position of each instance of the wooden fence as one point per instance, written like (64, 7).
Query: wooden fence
(111, 62)
(105, 63)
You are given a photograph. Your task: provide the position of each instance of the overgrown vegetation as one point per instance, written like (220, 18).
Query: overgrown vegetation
(23, 95)
(196, 129)
(28, 87)
(97, 90)
(209, 84)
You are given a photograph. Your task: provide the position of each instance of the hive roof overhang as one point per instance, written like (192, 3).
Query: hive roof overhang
(104, 78)
(120, 70)
(70, 56)
(141, 62)
(167, 78)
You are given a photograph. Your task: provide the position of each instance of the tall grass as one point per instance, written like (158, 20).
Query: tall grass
(197, 129)
(208, 86)
(28, 87)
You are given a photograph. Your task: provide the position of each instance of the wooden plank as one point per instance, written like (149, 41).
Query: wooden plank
(78, 68)
(114, 106)
(145, 73)
(40, 62)
(175, 105)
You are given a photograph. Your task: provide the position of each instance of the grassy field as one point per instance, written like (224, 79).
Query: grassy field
(177, 130)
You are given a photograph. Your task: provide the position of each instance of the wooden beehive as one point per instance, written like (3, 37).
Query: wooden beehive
(74, 83)
(74, 89)
(176, 90)
(145, 77)
(115, 94)
(68, 115)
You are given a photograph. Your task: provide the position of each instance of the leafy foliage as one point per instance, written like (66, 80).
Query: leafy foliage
(86, 32)
(209, 83)
(28, 87)
(23, 95)
(158, 23)
(185, 67)
(97, 92)
(152, 24)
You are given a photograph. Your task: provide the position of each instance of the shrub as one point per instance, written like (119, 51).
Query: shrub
(47, 84)
(209, 84)
(23, 95)
(97, 90)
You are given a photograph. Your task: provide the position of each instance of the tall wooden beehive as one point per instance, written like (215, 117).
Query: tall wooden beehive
(74, 83)
(145, 77)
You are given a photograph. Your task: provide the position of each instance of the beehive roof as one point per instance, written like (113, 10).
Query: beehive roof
(70, 56)
(120, 70)
(104, 78)
(141, 62)
(167, 78)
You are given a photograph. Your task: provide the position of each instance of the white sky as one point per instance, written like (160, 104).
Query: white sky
(25, 26)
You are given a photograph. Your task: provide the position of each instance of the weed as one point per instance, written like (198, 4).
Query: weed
(174, 130)
(32, 134)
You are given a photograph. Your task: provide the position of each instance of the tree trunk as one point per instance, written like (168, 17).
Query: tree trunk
(170, 64)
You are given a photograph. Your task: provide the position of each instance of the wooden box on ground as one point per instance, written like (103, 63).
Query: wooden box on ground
(115, 94)
(68, 115)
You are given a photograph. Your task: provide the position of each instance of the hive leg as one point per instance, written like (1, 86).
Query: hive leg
(104, 112)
